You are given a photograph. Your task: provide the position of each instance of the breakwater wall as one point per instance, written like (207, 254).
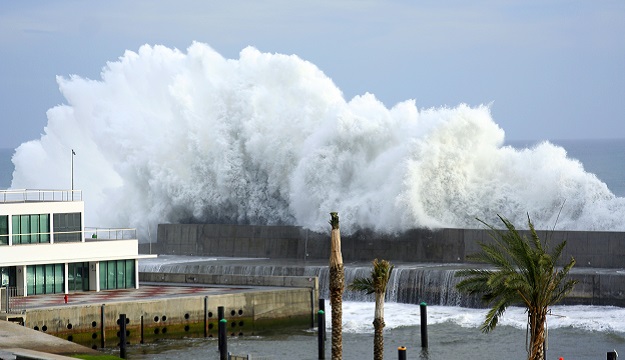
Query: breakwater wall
(434, 284)
(594, 249)
(248, 310)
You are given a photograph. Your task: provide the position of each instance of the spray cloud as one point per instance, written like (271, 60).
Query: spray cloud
(168, 136)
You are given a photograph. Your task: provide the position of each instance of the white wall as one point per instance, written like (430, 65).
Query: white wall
(33, 254)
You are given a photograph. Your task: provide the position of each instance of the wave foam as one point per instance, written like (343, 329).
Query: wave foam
(167, 136)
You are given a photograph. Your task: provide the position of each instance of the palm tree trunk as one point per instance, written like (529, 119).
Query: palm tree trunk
(537, 335)
(337, 284)
(378, 326)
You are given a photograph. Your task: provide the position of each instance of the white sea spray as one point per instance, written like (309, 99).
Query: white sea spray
(170, 136)
(358, 317)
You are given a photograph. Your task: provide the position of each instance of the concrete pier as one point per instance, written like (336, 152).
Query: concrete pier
(172, 307)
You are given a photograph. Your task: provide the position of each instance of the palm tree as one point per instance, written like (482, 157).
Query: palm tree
(376, 284)
(337, 285)
(524, 273)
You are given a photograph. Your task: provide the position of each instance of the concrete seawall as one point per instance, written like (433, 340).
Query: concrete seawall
(600, 256)
(590, 249)
(262, 304)
(410, 283)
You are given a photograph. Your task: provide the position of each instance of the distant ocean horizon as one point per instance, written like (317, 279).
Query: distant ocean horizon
(603, 157)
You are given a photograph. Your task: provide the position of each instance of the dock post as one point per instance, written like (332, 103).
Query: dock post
(401, 353)
(102, 328)
(424, 324)
(612, 355)
(321, 341)
(222, 335)
(122, 336)
(322, 306)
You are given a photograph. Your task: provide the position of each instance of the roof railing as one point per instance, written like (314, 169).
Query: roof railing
(95, 234)
(90, 234)
(38, 195)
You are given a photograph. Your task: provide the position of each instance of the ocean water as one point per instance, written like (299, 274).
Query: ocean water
(575, 332)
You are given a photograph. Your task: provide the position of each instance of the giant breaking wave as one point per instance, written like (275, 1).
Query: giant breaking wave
(168, 136)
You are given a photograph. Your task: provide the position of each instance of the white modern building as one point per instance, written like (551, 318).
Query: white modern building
(45, 248)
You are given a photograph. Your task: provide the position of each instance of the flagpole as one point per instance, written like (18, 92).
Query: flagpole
(73, 153)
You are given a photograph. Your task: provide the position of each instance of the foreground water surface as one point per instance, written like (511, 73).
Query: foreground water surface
(574, 332)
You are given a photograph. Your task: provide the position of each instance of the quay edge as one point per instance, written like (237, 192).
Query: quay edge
(249, 310)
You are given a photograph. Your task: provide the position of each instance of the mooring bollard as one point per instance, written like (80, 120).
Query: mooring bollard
(322, 306)
(424, 324)
(122, 336)
(223, 342)
(401, 353)
(612, 355)
(321, 340)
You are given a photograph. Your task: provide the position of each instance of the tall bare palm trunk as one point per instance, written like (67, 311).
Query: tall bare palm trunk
(337, 284)
(537, 323)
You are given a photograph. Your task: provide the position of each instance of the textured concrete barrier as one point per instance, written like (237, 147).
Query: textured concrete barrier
(590, 249)
(248, 311)
(232, 279)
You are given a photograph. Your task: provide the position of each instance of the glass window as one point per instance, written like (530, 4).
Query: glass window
(59, 277)
(103, 277)
(45, 279)
(111, 275)
(82, 277)
(130, 273)
(67, 227)
(50, 279)
(34, 229)
(24, 229)
(4, 230)
(30, 280)
(121, 274)
(44, 228)
(116, 274)
(71, 276)
(40, 279)
(30, 229)
(78, 276)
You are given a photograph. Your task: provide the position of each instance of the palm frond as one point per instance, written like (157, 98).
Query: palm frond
(377, 281)
(523, 272)
(363, 285)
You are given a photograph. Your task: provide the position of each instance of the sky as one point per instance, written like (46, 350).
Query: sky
(549, 70)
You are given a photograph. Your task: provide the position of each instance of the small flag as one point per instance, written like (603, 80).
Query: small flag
(73, 153)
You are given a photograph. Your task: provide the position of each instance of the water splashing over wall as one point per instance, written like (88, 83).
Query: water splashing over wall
(167, 137)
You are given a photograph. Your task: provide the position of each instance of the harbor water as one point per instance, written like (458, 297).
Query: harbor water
(575, 332)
